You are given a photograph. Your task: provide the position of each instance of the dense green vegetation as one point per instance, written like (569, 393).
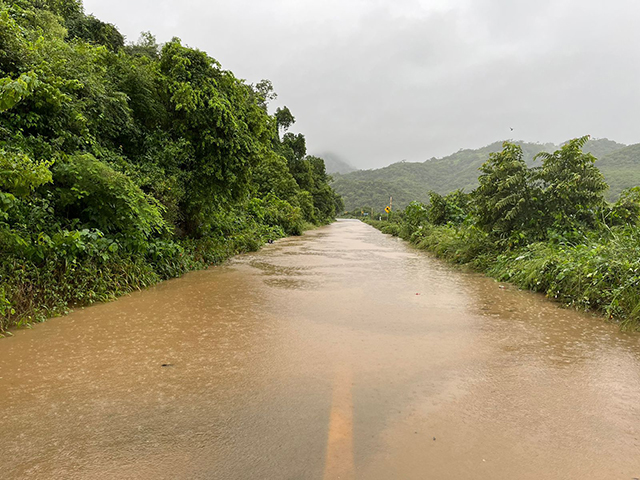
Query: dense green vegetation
(122, 165)
(408, 182)
(546, 228)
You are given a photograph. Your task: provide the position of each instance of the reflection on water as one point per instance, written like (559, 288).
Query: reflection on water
(340, 353)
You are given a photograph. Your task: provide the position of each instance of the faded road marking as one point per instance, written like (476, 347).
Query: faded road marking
(339, 462)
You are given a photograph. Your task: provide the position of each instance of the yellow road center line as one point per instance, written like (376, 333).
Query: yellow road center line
(339, 462)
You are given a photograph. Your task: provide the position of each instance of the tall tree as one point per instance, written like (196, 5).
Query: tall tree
(504, 198)
(573, 187)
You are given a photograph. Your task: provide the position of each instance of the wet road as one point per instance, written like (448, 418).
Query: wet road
(340, 354)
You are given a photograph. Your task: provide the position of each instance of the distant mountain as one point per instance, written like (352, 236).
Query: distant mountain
(407, 181)
(334, 164)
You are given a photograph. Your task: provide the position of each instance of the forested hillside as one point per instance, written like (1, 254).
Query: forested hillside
(122, 165)
(621, 168)
(407, 182)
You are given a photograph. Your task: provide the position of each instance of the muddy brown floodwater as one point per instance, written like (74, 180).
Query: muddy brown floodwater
(343, 354)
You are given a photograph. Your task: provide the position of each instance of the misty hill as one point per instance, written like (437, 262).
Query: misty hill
(334, 164)
(621, 168)
(409, 181)
(602, 146)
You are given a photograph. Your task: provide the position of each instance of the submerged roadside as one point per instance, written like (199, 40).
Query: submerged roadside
(33, 292)
(600, 275)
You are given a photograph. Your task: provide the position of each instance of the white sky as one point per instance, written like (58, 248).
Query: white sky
(381, 81)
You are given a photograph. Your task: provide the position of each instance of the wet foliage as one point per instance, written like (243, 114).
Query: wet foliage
(122, 165)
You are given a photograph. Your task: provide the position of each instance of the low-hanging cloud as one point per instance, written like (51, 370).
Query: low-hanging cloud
(381, 81)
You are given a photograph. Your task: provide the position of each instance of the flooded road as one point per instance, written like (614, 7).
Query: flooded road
(343, 354)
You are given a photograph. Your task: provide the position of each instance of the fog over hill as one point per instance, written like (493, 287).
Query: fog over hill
(409, 181)
(335, 164)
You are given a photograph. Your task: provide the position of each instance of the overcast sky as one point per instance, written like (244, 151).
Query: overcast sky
(379, 81)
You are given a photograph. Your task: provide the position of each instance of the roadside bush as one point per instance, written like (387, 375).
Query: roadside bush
(99, 197)
(273, 211)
